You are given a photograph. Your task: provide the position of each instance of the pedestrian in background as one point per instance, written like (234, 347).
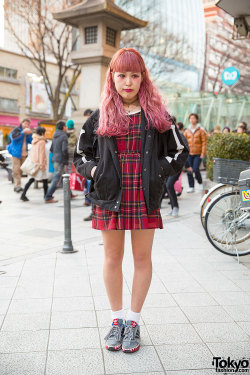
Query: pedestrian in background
(38, 155)
(19, 139)
(242, 128)
(226, 130)
(197, 141)
(72, 139)
(59, 149)
(127, 149)
(87, 202)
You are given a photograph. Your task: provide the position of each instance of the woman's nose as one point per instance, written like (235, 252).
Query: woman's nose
(128, 81)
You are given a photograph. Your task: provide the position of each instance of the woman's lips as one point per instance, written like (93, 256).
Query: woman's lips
(128, 90)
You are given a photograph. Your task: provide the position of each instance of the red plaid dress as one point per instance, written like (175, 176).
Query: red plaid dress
(132, 213)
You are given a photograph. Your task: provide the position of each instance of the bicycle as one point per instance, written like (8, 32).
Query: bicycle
(227, 219)
(209, 196)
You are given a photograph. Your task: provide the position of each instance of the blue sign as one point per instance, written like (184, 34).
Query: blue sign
(230, 75)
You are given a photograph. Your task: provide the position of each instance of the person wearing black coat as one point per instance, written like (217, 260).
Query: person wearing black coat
(127, 149)
(59, 148)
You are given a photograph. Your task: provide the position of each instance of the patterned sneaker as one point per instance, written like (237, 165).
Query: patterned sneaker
(115, 335)
(131, 340)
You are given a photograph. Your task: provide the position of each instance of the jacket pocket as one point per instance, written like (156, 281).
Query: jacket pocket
(106, 182)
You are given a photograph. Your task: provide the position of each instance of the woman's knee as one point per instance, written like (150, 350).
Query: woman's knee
(142, 260)
(113, 257)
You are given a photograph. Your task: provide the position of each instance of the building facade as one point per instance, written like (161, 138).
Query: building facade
(22, 90)
(173, 44)
(222, 52)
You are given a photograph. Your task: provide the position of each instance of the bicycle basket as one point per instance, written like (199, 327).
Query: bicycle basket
(227, 171)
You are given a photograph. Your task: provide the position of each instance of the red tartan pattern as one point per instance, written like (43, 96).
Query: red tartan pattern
(132, 213)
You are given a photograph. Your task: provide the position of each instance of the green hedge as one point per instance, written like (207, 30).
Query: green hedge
(227, 146)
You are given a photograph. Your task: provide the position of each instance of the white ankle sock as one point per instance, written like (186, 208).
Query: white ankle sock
(118, 315)
(131, 315)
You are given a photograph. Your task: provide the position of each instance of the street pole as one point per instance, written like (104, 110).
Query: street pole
(68, 246)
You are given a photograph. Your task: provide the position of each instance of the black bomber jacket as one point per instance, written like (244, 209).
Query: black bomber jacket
(162, 155)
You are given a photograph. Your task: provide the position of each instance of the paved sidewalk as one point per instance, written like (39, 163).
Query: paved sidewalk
(54, 312)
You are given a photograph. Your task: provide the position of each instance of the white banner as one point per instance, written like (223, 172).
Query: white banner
(40, 100)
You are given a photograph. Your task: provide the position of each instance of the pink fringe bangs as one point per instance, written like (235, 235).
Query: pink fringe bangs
(113, 119)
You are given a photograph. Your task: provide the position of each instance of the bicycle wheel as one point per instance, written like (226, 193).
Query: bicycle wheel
(207, 198)
(227, 226)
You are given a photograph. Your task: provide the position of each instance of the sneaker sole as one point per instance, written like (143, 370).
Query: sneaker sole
(113, 348)
(131, 350)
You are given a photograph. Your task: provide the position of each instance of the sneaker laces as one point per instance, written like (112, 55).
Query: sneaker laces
(115, 331)
(129, 333)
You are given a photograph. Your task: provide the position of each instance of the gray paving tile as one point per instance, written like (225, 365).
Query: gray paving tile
(191, 372)
(1, 319)
(185, 356)
(183, 285)
(173, 333)
(159, 300)
(202, 314)
(243, 274)
(243, 284)
(80, 338)
(13, 269)
(194, 299)
(73, 319)
(23, 341)
(33, 291)
(73, 304)
(26, 322)
(144, 360)
(8, 281)
(6, 292)
(246, 327)
(34, 305)
(219, 285)
(239, 312)
(75, 362)
(4, 303)
(231, 298)
(163, 315)
(221, 332)
(230, 349)
(23, 363)
(70, 291)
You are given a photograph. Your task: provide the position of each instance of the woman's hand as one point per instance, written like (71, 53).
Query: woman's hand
(93, 171)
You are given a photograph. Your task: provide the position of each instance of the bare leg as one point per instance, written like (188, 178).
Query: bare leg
(113, 241)
(142, 241)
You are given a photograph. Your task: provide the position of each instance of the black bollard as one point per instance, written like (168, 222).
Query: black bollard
(68, 246)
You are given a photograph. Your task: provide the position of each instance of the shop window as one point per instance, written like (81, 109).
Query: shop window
(91, 35)
(8, 73)
(110, 36)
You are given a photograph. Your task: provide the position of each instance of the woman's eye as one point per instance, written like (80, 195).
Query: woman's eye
(135, 76)
(121, 75)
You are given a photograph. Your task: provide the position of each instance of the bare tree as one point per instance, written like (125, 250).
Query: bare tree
(42, 40)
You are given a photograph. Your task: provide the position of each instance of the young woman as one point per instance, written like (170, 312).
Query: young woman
(38, 155)
(127, 149)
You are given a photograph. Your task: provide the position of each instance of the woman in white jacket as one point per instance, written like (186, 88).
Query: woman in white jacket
(38, 155)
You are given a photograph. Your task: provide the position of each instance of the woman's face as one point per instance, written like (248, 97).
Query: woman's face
(225, 130)
(127, 85)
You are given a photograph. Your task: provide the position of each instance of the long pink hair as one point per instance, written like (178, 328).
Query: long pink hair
(113, 119)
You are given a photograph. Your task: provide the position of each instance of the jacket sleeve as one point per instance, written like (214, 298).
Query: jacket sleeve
(84, 159)
(176, 150)
(65, 149)
(203, 142)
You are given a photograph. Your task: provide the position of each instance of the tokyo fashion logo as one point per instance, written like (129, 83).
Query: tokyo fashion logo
(231, 365)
